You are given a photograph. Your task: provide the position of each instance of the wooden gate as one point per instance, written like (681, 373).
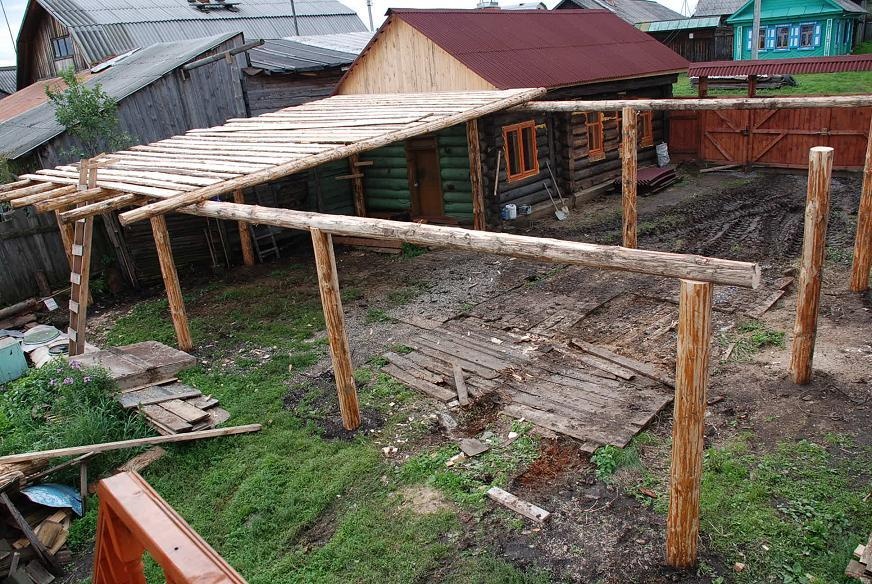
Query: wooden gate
(778, 138)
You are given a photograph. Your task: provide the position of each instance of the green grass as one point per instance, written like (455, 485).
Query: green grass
(750, 338)
(809, 84)
(792, 515)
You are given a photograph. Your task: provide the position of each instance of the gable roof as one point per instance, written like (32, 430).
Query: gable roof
(717, 7)
(34, 123)
(795, 9)
(683, 24)
(541, 48)
(105, 28)
(632, 11)
(308, 53)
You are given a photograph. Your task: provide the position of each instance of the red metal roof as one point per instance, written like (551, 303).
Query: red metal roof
(544, 48)
(782, 66)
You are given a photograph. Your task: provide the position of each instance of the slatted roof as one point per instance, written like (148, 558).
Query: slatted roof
(244, 152)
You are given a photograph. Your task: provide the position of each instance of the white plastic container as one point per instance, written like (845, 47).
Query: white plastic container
(662, 154)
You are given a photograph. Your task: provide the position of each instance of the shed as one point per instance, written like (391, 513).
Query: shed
(701, 38)
(573, 53)
(632, 11)
(7, 81)
(291, 71)
(58, 34)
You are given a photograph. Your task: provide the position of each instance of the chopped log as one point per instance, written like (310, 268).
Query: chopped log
(479, 221)
(29, 305)
(244, 232)
(625, 362)
(629, 156)
(862, 264)
(122, 444)
(343, 370)
(517, 505)
(717, 271)
(688, 427)
(460, 384)
(817, 210)
(171, 283)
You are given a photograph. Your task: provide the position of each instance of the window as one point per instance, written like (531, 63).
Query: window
(62, 47)
(645, 128)
(806, 36)
(782, 37)
(522, 155)
(761, 39)
(595, 146)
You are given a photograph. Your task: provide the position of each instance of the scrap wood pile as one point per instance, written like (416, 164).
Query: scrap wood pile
(861, 566)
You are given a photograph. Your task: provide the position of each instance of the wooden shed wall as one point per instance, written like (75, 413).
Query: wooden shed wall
(402, 60)
(39, 60)
(269, 93)
(706, 44)
(29, 243)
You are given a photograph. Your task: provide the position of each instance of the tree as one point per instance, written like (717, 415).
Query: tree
(89, 114)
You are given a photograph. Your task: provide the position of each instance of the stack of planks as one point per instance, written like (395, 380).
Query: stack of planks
(861, 566)
(33, 541)
(145, 374)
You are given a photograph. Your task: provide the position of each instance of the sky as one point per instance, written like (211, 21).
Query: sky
(15, 11)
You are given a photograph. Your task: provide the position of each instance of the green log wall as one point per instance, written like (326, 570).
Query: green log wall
(328, 195)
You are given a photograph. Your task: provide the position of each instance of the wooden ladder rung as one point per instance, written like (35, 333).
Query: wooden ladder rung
(74, 306)
(78, 250)
(75, 278)
(72, 334)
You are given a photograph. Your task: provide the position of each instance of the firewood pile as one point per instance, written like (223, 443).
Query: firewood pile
(860, 566)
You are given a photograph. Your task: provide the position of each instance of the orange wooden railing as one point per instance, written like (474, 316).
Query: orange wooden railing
(134, 519)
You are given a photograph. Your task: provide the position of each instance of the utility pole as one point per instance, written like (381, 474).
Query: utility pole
(294, 14)
(755, 31)
(369, 9)
(11, 36)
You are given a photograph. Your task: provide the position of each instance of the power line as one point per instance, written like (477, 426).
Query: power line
(11, 36)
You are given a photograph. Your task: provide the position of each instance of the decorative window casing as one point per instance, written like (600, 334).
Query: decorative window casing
(595, 139)
(62, 47)
(521, 151)
(782, 38)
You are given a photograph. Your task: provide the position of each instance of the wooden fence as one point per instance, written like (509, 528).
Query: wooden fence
(29, 243)
(778, 138)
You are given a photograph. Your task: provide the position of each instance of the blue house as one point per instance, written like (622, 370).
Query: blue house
(796, 28)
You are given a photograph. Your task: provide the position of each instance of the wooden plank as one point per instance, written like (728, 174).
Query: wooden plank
(629, 154)
(184, 410)
(244, 233)
(463, 351)
(216, 417)
(165, 418)
(412, 368)
(139, 462)
(517, 505)
(157, 394)
(24, 526)
(861, 266)
(435, 391)
(767, 303)
(643, 369)
(692, 104)
(559, 424)
(447, 358)
(203, 402)
(460, 385)
(171, 283)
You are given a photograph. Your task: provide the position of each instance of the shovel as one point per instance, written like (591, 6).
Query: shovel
(560, 213)
(563, 206)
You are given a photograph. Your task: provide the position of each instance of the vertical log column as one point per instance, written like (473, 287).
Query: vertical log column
(171, 282)
(817, 211)
(244, 232)
(80, 267)
(475, 176)
(357, 185)
(628, 176)
(863, 244)
(343, 372)
(691, 381)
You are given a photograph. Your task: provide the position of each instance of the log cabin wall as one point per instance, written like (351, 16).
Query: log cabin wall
(269, 93)
(328, 193)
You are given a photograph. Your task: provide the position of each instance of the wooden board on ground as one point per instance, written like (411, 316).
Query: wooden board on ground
(641, 368)
(217, 416)
(164, 420)
(517, 505)
(139, 364)
(768, 302)
(184, 410)
(139, 462)
(157, 394)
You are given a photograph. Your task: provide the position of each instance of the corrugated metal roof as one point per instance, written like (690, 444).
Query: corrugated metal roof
(37, 125)
(525, 6)
(717, 7)
(538, 48)
(632, 11)
(683, 24)
(8, 83)
(292, 56)
(104, 28)
(346, 42)
(782, 66)
(796, 9)
(31, 96)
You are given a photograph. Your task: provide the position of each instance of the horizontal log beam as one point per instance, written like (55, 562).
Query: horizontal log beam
(703, 269)
(101, 207)
(740, 103)
(43, 196)
(75, 198)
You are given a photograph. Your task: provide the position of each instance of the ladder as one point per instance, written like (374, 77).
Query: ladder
(80, 266)
(263, 236)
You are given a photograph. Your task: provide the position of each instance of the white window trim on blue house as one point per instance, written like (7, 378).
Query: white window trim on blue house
(793, 38)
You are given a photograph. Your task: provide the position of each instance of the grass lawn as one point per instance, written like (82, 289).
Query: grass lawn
(811, 84)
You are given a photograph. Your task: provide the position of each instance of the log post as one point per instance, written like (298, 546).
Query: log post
(702, 86)
(357, 185)
(479, 221)
(863, 244)
(628, 176)
(817, 210)
(343, 372)
(691, 381)
(171, 282)
(244, 232)
(752, 86)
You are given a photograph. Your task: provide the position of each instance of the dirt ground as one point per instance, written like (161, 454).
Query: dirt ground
(598, 533)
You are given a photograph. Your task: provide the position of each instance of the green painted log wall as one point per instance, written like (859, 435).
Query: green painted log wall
(328, 195)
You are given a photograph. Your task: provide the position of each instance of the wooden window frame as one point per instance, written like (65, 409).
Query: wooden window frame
(595, 129)
(809, 26)
(520, 128)
(778, 30)
(645, 125)
(68, 42)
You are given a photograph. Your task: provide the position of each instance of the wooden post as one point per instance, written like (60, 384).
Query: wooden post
(479, 220)
(702, 86)
(752, 86)
(244, 232)
(863, 244)
(357, 185)
(80, 267)
(628, 176)
(171, 282)
(66, 230)
(343, 372)
(691, 381)
(817, 210)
